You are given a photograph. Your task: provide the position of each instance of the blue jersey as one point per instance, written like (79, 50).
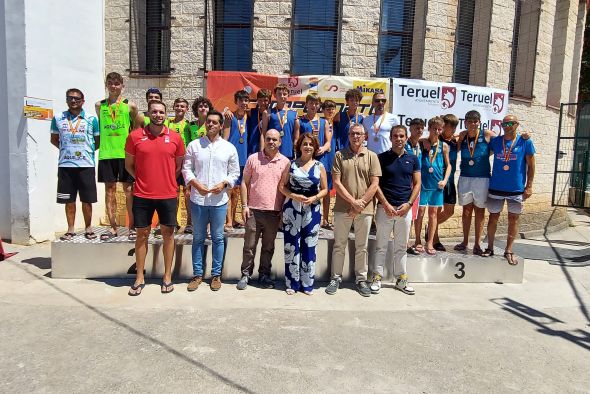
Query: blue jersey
(477, 166)
(284, 122)
(342, 127)
(319, 124)
(239, 140)
(253, 124)
(416, 151)
(76, 138)
(430, 179)
(509, 174)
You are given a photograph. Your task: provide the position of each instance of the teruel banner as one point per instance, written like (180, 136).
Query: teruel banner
(221, 86)
(413, 98)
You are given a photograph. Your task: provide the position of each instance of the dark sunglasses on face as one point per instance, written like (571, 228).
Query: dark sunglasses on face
(508, 124)
(73, 98)
(380, 100)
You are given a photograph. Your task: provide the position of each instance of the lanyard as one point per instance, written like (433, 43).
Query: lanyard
(242, 126)
(430, 156)
(282, 119)
(74, 129)
(116, 112)
(315, 131)
(507, 154)
(355, 117)
(471, 145)
(376, 129)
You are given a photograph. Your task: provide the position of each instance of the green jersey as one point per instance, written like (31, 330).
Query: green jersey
(182, 128)
(115, 124)
(195, 131)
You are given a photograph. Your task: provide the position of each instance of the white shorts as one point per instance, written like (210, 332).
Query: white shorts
(473, 190)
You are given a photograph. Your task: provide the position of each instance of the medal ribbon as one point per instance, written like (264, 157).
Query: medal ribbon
(114, 113)
(474, 142)
(507, 154)
(376, 129)
(356, 118)
(314, 130)
(430, 156)
(74, 129)
(242, 126)
(282, 119)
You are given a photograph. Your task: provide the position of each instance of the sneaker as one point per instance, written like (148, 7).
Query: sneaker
(363, 289)
(375, 284)
(402, 285)
(194, 283)
(215, 283)
(242, 283)
(333, 286)
(266, 282)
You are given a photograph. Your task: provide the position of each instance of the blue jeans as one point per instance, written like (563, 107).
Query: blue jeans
(215, 216)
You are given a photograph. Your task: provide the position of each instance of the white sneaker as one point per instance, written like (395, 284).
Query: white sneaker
(375, 284)
(402, 285)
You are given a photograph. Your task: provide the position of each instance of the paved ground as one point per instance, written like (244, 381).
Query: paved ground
(87, 335)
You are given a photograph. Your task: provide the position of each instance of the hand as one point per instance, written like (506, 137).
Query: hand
(389, 209)
(320, 151)
(309, 200)
(525, 135)
(528, 191)
(462, 134)
(297, 197)
(442, 184)
(246, 213)
(426, 144)
(217, 188)
(359, 204)
(403, 209)
(203, 191)
(352, 213)
(228, 115)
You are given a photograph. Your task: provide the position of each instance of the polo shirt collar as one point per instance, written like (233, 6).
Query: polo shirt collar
(165, 131)
(71, 116)
(362, 151)
(277, 156)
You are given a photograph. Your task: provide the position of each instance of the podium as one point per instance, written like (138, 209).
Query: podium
(82, 258)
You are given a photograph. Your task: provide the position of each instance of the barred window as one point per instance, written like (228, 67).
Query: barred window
(315, 37)
(524, 48)
(149, 33)
(463, 41)
(233, 35)
(396, 34)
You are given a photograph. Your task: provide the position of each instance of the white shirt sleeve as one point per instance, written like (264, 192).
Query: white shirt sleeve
(233, 168)
(188, 170)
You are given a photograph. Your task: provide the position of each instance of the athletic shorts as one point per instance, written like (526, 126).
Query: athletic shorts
(74, 180)
(450, 193)
(473, 190)
(113, 170)
(180, 181)
(431, 198)
(496, 203)
(144, 208)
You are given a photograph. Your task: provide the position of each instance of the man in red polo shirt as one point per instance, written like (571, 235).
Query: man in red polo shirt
(153, 156)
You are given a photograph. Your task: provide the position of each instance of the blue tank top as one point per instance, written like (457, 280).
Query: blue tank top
(253, 125)
(305, 126)
(481, 158)
(286, 130)
(417, 151)
(343, 126)
(239, 141)
(430, 179)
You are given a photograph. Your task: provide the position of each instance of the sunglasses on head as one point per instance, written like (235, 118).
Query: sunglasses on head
(73, 98)
(508, 124)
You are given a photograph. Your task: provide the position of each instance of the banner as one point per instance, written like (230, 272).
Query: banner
(413, 98)
(221, 86)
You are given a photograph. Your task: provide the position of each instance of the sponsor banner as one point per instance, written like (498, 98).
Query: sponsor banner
(37, 108)
(424, 99)
(221, 86)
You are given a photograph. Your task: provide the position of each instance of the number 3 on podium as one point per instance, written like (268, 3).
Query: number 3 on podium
(461, 268)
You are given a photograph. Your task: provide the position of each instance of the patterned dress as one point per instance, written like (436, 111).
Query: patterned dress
(301, 224)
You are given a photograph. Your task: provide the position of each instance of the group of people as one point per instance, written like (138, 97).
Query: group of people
(282, 167)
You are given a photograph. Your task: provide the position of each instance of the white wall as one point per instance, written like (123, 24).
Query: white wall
(64, 49)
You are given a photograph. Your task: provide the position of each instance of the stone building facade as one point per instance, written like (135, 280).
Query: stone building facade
(549, 71)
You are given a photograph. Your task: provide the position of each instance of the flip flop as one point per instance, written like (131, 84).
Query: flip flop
(477, 251)
(419, 248)
(328, 226)
(90, 235)
(509, 256)
(188, 230)
(431, 252)
(135, 289)
(227, 228)
(487, 253)
(290, 291)
(412, 250)
(167, 288)
(67, 236)
(107, 236)
(460, 247)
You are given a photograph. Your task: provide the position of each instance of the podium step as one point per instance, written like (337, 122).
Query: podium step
(82, 258)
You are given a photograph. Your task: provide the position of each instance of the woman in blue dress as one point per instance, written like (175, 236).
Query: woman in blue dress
(304, 184)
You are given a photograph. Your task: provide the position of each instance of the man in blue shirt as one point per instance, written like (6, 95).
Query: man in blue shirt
(76, 135)
(513, 172)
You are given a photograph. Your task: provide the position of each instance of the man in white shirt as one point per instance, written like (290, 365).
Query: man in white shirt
(378, 125)
(210, 167)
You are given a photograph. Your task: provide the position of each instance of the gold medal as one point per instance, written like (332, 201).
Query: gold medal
(241, 140)
(508, 152)
(282, 133)
(506, 167)
(471, 162)
(376, 139)
(431, 170)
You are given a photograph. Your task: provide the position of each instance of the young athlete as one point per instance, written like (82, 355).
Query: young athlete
(349, 116)
(152, 94)
(329, 110)
(255, 115)
(413, 148)
(281, 118)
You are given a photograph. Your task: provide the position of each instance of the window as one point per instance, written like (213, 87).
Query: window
(524, 48)
(149, 32)
(314, 37)
(463, 41)
(233, 35)
(395, 38)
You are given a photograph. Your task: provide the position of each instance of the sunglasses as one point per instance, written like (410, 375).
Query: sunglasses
(508, 124)
(357, 134)
(74, 98)
(380, 100)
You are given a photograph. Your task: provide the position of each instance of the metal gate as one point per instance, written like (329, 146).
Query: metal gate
(571, 183)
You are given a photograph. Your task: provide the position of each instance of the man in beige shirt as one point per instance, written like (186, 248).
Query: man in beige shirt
(355, 173)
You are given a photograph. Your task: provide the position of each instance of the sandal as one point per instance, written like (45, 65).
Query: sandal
(440, 247)
(477, 250)
(67, 236)
(107, 236)
(289, 291)
(132, 236)
(487, 253)
(431, 252)
(227, 228)
(328, 226)
(167, 288)
(412, 250)
(134, 291)
(460, 247)
(308, 292)
(419, 248)
(509, 256)
(90, 235)
(188, 230)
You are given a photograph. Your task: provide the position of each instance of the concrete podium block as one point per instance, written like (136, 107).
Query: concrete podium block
(82, 258)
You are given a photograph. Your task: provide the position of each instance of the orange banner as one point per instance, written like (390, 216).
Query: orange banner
(221, 86)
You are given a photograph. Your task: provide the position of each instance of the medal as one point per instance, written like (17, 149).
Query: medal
(241, 140)
(507, 153)
(376, 139)
(314, 131)
(377, 129)
(432, 157)
(282, 133)
(114, 112)
(471, 162)
(242, 127)
(282, 119)
(431, 170)
(506, 167)
(113, 126)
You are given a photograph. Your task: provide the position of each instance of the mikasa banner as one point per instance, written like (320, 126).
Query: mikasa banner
(413, 98)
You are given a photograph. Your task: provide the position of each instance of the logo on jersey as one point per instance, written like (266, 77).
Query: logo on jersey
(448, 97)
(498, 103)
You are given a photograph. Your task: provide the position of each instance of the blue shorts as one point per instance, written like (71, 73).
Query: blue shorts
(431, 198)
